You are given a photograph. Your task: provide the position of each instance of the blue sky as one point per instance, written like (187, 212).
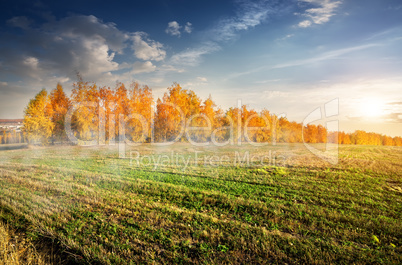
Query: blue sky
(287, 56)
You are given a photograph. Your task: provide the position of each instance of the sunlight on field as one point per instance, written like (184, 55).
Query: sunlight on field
(182, 204)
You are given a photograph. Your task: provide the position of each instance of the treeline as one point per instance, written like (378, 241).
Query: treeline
(360, 137)
(109, 114)
(11, 137)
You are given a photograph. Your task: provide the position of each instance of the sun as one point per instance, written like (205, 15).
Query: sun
(371, 108)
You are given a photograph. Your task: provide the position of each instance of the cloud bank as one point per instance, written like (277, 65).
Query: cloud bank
(56, 50)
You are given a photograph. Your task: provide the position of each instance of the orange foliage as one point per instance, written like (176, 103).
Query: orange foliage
(179, 115)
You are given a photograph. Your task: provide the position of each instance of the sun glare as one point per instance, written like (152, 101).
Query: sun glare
(371, 108)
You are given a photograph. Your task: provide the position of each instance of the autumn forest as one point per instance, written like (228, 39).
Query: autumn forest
(105, 114)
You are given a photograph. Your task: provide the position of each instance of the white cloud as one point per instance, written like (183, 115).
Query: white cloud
(101, 60)
(250, 15)
(147, 49)
(170, 68)
(305, 24)
(202, 79)
(188, 27)
(143, 67)
(320, 14)
(31, 62)
(173, 28)
(192, 57)
(196, 84)
(89, 27)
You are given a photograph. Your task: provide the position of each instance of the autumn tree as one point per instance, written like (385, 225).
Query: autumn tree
(221, 127)
(266, 130)
(397, 141)
(121, 108)
(253, 124)
(344, 138)
(321, 134)
(59, 104)
(310, 133)
(386, 140)
(207, 121)
(4, 137)
(37, 119)
(107, 118)
(234, 122)
(173, 111)
(140, 112)
(85, 120)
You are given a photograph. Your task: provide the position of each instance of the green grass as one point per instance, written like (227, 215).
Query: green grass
(107, 210)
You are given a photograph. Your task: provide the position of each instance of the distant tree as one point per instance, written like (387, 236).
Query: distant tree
(397, 141)
(7, 137)
(233, 118)
(360, 137)
(13, 136)
(310, 133)
(386, 140)
(321, 134)
(19, 137)
(266, 131)
(4, 136)
(37, 121)
(346, 139)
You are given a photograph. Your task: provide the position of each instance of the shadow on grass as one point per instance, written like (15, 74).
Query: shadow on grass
(49, 248)
(4, 147)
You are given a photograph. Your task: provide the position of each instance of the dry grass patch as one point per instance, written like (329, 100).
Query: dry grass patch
(16, 249)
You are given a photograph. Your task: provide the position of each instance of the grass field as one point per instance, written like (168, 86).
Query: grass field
(199, 206)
